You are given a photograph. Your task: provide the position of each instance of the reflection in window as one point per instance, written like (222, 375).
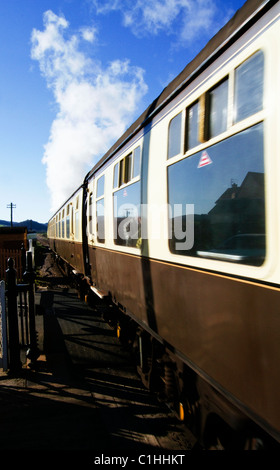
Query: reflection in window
(127, 222)
(174, 136)
(77, 224)
(68, 222)
(100, 186)
(128, 165)
(72, 219)
(192, 125)
(67, 226)
(62, 224)
(218, 109)
(116, 176)
(100, 215)
(127, 168)
(100, 221)
(136, 162)
(121, 172)
(249, 87)
(228, 198)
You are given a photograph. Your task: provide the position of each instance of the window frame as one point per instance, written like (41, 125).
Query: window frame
(232, 129)
(125, 169)
(68, 223)
(63, 224)
(226, 210)
(181, 114)
(235, 92)
(123, 183)
(207, 113)
(187, 128)
(202, 98)
(98, 199)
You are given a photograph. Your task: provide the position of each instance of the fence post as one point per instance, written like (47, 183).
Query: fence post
(13, 340)
(23, 260)
(3, 321)
(29, 277)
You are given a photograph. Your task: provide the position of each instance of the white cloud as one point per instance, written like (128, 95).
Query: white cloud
(184, 19)
(95, 103)
(89, 34)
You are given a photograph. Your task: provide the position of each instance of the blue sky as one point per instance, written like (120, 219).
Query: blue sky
(74, 75)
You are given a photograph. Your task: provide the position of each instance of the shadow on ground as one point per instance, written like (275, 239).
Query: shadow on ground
(83, 392)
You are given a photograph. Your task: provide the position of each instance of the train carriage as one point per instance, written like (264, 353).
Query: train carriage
(178, 224)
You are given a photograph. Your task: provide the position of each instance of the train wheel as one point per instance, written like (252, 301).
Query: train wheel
(253, 443)
(218, 435)
(229, 439)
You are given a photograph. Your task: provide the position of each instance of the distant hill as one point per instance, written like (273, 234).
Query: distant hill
(32, 225)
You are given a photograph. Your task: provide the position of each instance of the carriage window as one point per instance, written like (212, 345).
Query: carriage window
(100, 186)
(72, 219)
(218, 109)
(121, 172)
(249, 87)
(192, 123)
(225, 185)
(136, 162)
(174, 136)
(77, 219)
(100, 215)
(127, 168)
(100, 221)
(116, 176)
(59, 225)
(127, 215)
(68, 222)
(77, 231)
(62, 224)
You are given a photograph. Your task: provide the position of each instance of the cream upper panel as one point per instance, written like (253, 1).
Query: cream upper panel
(266, 39)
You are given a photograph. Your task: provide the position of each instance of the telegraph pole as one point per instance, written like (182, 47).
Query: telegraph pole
(11, 206)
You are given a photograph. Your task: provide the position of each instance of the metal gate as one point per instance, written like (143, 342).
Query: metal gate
(17, 317)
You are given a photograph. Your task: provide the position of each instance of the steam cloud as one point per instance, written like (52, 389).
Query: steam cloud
(95, 104)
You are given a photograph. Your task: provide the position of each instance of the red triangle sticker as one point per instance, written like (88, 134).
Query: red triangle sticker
(204, 160)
